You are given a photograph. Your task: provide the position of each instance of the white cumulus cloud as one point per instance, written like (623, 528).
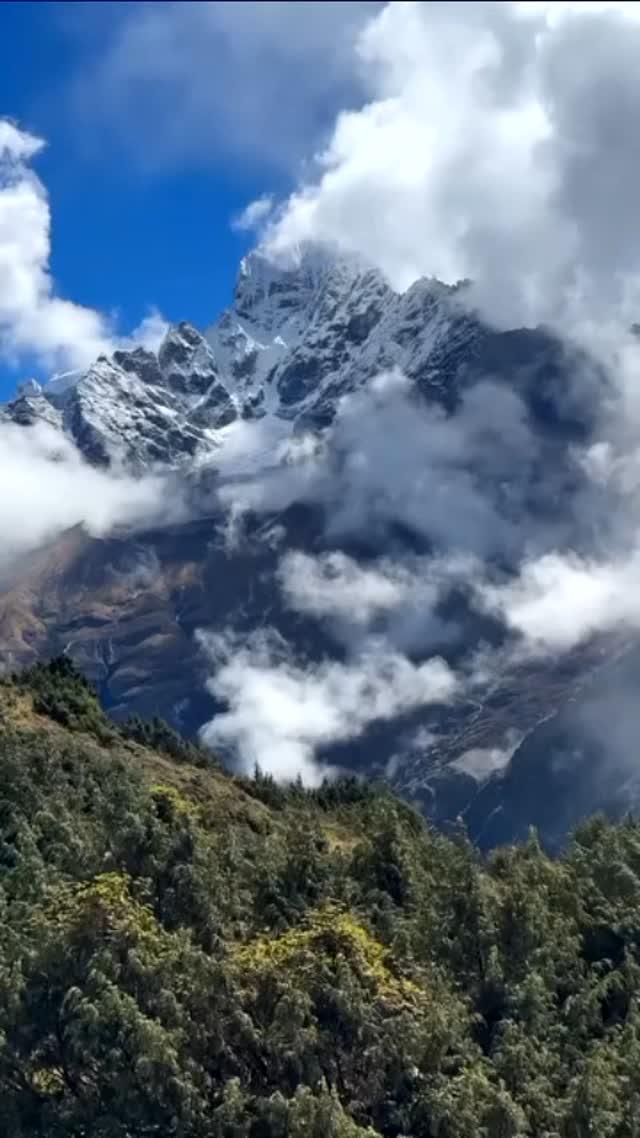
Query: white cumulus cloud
(34, 320)
(559, 600)
(498, 144)
(336, 585)
(394, 598)
(281, 712)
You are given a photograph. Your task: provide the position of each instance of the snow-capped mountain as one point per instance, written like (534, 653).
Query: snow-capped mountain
(137, 408)
(297, 339)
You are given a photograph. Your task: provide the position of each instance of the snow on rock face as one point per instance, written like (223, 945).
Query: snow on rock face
(113, 413)
(284, 314)
(186, 361)
(299, 335)
(31, 407)
(138, 408)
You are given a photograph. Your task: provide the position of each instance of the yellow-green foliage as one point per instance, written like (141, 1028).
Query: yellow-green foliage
(329, 940)
(170, 802)
(104, 905)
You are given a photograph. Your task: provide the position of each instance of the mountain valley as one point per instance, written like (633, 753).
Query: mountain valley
(253, 425)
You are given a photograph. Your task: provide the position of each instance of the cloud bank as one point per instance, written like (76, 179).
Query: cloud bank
(464, 482)
(497, 144)
(501, 531)
(397, 600)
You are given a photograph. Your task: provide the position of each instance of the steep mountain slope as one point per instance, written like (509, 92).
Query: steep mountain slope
(186, 953)
(127, 610)
(281, 364)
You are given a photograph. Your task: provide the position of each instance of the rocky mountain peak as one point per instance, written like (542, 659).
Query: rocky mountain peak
(139, 362)
(303, 330)
(271, 289)
(186, 361)
(32, 407)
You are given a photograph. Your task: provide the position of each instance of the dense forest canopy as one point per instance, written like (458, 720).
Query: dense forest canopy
(187, 953)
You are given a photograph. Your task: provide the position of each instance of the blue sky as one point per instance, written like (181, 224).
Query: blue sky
(123, 237)
(161, 122)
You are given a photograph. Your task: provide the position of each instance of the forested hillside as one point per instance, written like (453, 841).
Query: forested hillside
(185, 953)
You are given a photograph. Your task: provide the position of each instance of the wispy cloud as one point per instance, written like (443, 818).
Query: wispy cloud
(254, 214)
(48, 487)
(258, 83)
(396, 598)
(459, 480)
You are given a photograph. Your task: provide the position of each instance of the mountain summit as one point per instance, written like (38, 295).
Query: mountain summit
(297, 337)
